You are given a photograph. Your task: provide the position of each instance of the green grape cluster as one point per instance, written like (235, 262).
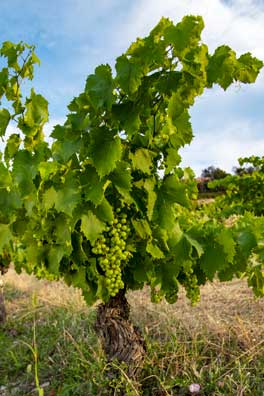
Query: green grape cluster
(156, 295)
(112, 252)
(191, 286)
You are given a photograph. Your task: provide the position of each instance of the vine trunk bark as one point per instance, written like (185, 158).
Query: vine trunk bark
(121, 340)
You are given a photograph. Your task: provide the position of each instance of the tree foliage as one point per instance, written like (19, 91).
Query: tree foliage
(107, 205)
(213, 173)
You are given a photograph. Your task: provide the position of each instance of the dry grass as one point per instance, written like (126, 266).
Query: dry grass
(219, 343)
(224, 307)
(55, 294)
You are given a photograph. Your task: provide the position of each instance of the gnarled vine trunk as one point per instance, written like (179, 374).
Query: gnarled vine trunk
(121, 340)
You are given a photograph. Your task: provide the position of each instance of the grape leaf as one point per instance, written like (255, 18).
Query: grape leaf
(12, 146)
(222, 67)
(62, 151)
(5, 177)
(185, 35)
(5, 236)
(174, 190)
(142, 160)
(128, 74)
(36, 114)
(91, 226)
(172, 159)
(142, 228)
(99, 87)
(4, 121)
(104, 211)
(105, 150)
(225, 239)
(55, 255)
(154, 250)
(248, 68)
(49, 198)
(92, 186)
(149, 185)
(213, 260)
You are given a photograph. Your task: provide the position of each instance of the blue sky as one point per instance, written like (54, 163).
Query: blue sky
(73, 36)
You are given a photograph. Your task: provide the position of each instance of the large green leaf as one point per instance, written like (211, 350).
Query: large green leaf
(129, 117)
(4, 121)
(149, 185)
(213, 260)
(104, 211)
(128, 74)
(174, 190)
(154, 250)
(25, 169)
(63, 150)
(92, 186)
(5, 236)
(91, 226)
(99, 87)
(12, 146)
(55, 254)
(5, 177)
(222, 67)
(105, 150)
(142, 228)
(142, 160)
(178, 126)
(36, 114)
(185, 35)
(64, 198)
(248, 68)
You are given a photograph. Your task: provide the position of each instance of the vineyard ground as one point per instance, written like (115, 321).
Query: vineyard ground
(218, 344)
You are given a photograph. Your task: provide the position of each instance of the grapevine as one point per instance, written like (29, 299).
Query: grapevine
(107, 206)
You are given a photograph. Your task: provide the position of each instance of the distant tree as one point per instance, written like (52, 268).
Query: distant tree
(240, 171)
(213, 173)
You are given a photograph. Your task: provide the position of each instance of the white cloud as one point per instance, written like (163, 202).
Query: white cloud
(223, 146)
